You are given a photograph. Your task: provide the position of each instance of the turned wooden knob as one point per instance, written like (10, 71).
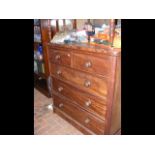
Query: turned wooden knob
(88, 103)
(58, 72)
(60, 89)
(61, 105)
(87, 83)
(68, 55)
(57, 57)
(87, 120)
(88, 64)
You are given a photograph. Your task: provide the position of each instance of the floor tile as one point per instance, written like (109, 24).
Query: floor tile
(48, 123)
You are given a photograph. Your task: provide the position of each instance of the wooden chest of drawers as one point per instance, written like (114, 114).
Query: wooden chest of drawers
(86, 86)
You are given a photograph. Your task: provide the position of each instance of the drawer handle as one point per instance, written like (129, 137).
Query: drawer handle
(61, 105)
(87, 120)
(57, 57)
(59, 72)
(87, 83)
(68, 55)
(88, 64)
(88, 103)
(60, 89)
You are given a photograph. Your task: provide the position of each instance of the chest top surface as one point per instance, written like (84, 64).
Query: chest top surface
(87, 48)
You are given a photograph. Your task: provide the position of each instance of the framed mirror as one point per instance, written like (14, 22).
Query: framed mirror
(61, 27)
(69, 24)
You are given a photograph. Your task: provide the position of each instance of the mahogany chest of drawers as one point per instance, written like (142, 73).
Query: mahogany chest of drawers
(86, 86)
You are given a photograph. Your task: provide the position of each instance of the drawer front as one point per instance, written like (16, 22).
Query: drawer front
(83, 117)
(60, 57)
(88, 102)
(91, 84)
(92, 64)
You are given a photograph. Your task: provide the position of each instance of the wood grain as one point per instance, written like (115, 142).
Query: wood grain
(60, 57)
(95, 124)
(88, 85)
(97, 107)
(98, 86)
(92, 64)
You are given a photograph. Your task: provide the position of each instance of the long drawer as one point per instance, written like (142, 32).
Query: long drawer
(88, 102)
(91, 84)
(93, 123)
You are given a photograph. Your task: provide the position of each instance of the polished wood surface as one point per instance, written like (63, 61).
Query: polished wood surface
(92, 64)
(116, 109)
(89, 83)
(60, 57)
(89, 121)
(87, 49)
(90, 103)
(45, 38)
(86, 86)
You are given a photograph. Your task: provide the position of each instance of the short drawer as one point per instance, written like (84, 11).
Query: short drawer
(92, 64)
(93, 123)
(91, 84)
(88, 102)
(60, 57)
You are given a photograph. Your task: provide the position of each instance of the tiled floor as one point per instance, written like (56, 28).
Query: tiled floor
(48, 123)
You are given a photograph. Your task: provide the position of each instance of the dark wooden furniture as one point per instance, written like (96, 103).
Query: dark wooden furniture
(86, 86)
(41, 79)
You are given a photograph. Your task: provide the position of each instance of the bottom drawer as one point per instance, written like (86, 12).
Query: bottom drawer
(93, 123)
